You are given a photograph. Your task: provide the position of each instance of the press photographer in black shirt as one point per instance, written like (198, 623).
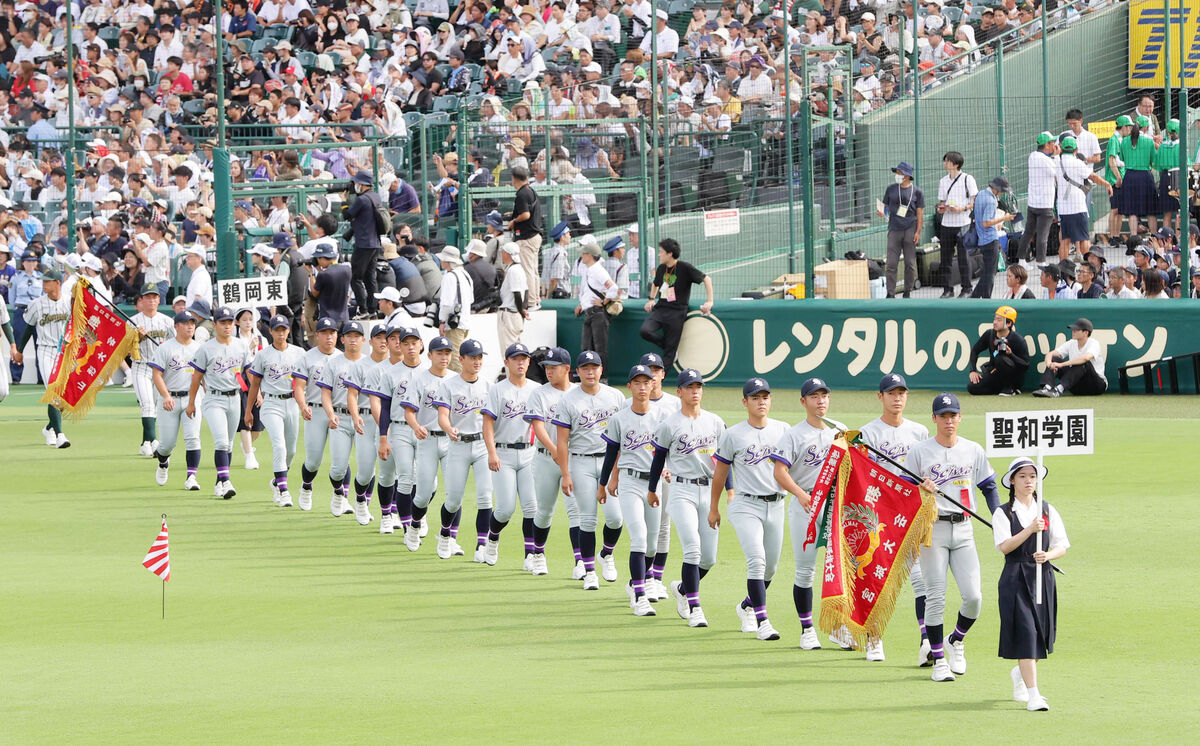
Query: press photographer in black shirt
(1004, 371)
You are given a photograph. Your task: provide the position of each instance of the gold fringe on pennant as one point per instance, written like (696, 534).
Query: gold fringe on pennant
(836, 610)
(69, 349)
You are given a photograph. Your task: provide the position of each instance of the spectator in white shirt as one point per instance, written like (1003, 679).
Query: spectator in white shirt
(1072, 200)
(1043, 179)
(1117, 287)
(200, 285)
(756, 87)
(168, 46)
(668, 39)
(1088, 145)
(280, 218)
(1076, 366)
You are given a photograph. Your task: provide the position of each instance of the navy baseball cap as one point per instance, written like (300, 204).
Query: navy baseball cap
(892, 381)
(183, 317)
(614, 243)
(440, 343)
(201, 308)
(470, 348)
(325, 324)
(352, 327)
(688, 376)
(557, 356)
(812, 386)
(324, 251)
(516, 349)
(755, 386)
(150, 288)
(945, 403)
(557, 231)
(280, 322)
(639, 370)
(652, 360)
(223, 313)
(587, 357)
(379, 330)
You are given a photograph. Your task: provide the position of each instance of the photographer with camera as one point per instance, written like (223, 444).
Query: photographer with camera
(1008, 360)
(330, 286)
(453, 311)
(364, 231)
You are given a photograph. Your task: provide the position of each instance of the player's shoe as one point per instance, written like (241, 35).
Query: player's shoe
(61, 441)
(491, 552)
(227, 490)
(1037, 704)
(956, 653)
(809, 639)
(590, 581)
(385, 524)
(608, 569)
(655, 590)
(305, 499)
(50, 436)
(696, 618)
(841, 637)
(529, 563)
(746, 615)
(285, 499)
(190, 484)
(362, 512)
(337, 504)
(941, 670)
(153, 446)
(456, 548)
(412, 538)
(642, 607)
(1020, 691)
(423, 529)
(539, 565)
(681, 602)
(577, 572)
(925, 654)
(766, 631)
(875, 651)
(480, 555)
(160, 475)
(146, 449)
(251, 461)
(217, 489)
(274, 494)
(444, 551)
(632, 595)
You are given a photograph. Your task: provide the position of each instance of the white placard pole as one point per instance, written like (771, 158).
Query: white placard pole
(1037, 593)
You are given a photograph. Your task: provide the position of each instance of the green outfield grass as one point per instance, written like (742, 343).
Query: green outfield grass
(285, 626)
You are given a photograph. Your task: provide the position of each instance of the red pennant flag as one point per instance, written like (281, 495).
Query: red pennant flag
(158, 559)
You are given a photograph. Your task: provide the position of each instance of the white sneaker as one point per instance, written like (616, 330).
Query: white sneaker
(925, 654)
(190, 484)
(385, 524)
(491, 552)
(362, 512)
(1037, 704)
(1020, 691)
(412, 539)
(160, 476)
(274, 494)
(456, 548)
(529, 562)
(146, 449)
(227, 490)
(643, 608)
(61, 441)
(539, 565)
(655, 590)
(809, 639)
(578, 571)
(251, 462)
(632, 595)
(941, 670)
(480, 554)
(305, 499)
(696, 618)
(336, 503)
(875, 650)
(956, 654)
(681, 602)
(746, 615)
(766, 631)
(608, 569)
(50, 436)
(153, 446)
(590, 581)
(285, 499)
(423, 530)
(841, 637)
(444, 550)
(217, 489)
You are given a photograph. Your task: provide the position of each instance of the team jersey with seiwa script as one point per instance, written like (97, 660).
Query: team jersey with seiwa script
(274, 367)
(633, 433)
(747, 449)
(420, 394)
(309, 370)
(173, 360)
(220, 363)
(690, 443)
(464, 399)
(895, 442)
(803, 449)
(506, 406)
(586, 415)
(543, 405)
(957, 470)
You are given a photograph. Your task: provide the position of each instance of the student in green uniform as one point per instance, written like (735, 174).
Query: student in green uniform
(1139, 196)
(1114, 172)
(1166, 162)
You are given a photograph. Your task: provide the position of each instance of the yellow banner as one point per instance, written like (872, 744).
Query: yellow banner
(1150, 39)
(1103, 130)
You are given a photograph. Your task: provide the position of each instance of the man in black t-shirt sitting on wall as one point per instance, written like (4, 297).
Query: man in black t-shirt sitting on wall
(669, 296)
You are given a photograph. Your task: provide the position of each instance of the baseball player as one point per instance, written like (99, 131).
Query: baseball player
(171, 374)
(6, 337)
(668, 404)
(47, 316)
(581, 418)
(459, 400)
(344, 422)
(507, 436)
(757, 513)
(421, 415)
(153, 329)
(798, 457)
(270, 377)
(628, 436)
(540, 410)
(366, 425)
(316, 422)
(215, 366)
(953, 465)
(894, 435)
(684, 444)
(397, 449)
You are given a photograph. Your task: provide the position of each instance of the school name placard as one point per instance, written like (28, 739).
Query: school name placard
(252, 292)
(1059, 432)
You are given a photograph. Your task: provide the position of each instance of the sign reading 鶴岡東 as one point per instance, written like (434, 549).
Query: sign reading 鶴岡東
(252, 292)
(1054, 432)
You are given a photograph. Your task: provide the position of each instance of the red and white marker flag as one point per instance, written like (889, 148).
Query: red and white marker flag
(158, 559)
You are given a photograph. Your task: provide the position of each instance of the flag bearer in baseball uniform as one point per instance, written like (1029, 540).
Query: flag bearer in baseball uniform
(894, 435)
(397, 448)
(628, 436)
(215, 366)
(508, 437)
(46, 317)
(171, 373)
(684, 445)
(421, 414)
(956, 466)
(539, 412)
(757, 512)
(359, 376)
(316, 422)
(1027, 628)
(270, 376)
(153, 329)
(581, 417)
(798, 457)
(343, 421)
(668, 404)
(459, 400)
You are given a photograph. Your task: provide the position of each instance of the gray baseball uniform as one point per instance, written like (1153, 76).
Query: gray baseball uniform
(633, 433)
(391, 382)
(803, 449)
(431, 452)
(757, 512)
(542, 405)
(366, 445)
(279, 413)
(506, 406)
(173, 361)
(668, 404)
(316, 430)
(586, 415)
(334, 379)
(464, 400)
(221, 407)
(691, 445)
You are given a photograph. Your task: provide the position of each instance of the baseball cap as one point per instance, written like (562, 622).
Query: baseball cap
(1082, 325)
(183, 317)
(614, 243)
(688, 376)
(495, 220)
(352, 327)
(223, 313)
(389, 294)
(999, 183)
(812, 386)
(150, 288)
(324, 251)
(557, 231)
(279, 322)
(440, 343)
(1124, 121)
(471, 348)
(1068, 144)
(1043, 138)
(325, 324)
(556, 356)
(379, 330)
(516, 349)
(754, 386)
(639, 370)
(1144, 250)
(891, 382)
(52, 275)
(946, 402)
(652, 360)
(587, 357)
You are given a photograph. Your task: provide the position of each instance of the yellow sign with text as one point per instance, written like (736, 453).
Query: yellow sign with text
(1150, 38)
(1103, 130)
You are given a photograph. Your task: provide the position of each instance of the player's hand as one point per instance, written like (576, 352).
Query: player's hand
(568, 487)
(306, 413)
(258, 400)
(453, 433)
(806, 501)
(706, 308)
(714, 518)
(16, 355)
(190, 411)
(249, 420)
(358, 425)
(975, 377)
(494, 462)
(385, 450)
(601, 495)
(929, 486)
(652, 499)
(612, 486)
(334, 422)
(421, 432)
(169, 404)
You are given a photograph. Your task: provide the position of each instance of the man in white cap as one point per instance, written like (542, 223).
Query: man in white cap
(512, 297)
(668, 38)
(481, 271)
(90, 267)
(455, 299)
(200, 286)
(596, 287)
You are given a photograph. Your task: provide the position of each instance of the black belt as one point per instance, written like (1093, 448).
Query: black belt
(470, 437)
(766, 498)
(437, 433)
(514, 446)
(587, 455)
(643, 475)
(544, 452)
(277, 396)
(231, 392)
(344, 410)
(953, 517)
(702, 481)
(178, 394)
(318, 405)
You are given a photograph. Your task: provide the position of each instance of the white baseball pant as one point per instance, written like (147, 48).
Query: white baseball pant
(641, 520)
(953, 547)
(366, 449)
(221, 413)
(547, 478)
(341, 440)
(806, 559)
(281, 420)
(400, 466)
(143, 387)
(170, 423)
(689, 509)
(663, 543)
(461, 458)
(316, 433)
(514, 481)
(759, 527)
(585, 475)
(431, 452)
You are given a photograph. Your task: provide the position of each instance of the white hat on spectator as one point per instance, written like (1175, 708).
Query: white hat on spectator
(450, 254)
(712, 101)
(264, 250)
(868, 16)
(32, 173)
(92, 262)
(72, 260)
(513, 250)
(633, 228)
(113, 196)
(593, 67)
(933, 23)
(476, 247)
(143, 237)
(196, 250)
(661, 14)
